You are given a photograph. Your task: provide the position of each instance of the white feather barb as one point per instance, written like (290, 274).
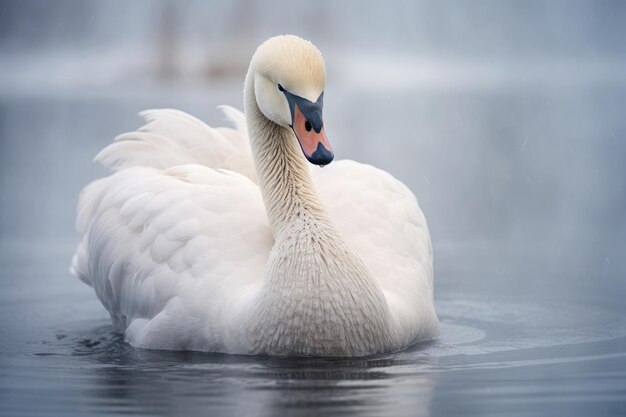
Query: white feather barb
(172, 137)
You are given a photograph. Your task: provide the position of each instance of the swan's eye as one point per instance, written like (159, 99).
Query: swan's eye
(307, 126)
(280, 88)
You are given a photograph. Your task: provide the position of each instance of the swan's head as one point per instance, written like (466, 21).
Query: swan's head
(289, 79)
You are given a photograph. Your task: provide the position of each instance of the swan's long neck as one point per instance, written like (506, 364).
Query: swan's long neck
(318, 297)
(282, 170)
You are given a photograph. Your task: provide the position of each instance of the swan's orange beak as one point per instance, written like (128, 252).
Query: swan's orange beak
(307, 124)
(314, 143)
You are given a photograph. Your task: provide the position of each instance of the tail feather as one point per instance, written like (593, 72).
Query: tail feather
(171, 137)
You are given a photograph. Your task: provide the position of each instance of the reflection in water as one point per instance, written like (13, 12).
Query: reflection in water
(512, 349)
(159, 382)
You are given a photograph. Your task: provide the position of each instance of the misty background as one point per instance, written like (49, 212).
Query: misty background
(507, 119)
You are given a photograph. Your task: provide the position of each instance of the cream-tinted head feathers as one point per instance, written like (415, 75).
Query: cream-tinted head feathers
(294, 63)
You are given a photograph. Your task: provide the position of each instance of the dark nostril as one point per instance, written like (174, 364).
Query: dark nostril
(307, 126)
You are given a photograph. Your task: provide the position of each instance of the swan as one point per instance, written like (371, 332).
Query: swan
(227, 240)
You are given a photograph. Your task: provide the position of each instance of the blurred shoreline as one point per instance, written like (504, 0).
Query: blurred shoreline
(101, 75)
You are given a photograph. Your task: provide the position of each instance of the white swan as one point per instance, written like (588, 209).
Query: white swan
(203, 241)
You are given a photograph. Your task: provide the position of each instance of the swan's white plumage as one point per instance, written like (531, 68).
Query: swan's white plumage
(170, 245)
(178, 247)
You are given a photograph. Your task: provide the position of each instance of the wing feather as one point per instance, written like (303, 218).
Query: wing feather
(152, 237)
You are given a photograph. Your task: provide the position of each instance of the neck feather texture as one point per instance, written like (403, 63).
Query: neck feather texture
(319, 298)
(283, 172)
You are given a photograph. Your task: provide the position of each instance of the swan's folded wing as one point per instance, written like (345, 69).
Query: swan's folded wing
(160, 245)
(172, 137)
(380, 219)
